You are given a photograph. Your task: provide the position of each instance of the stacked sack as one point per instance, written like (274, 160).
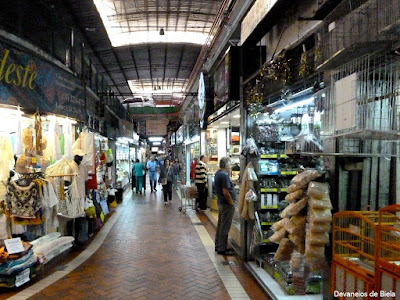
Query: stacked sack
(319, 220)
(290, 231)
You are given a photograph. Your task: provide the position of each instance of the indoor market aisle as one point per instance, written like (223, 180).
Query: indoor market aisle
(151, 252)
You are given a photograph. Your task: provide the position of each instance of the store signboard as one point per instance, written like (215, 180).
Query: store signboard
(156, 127)
(221, 83)
(256, 14)
(35, 84)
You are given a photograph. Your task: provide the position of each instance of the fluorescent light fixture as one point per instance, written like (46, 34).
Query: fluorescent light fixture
(156, 143)
(156, 139)
(294, 105)
(224, 122)
(236, 116)
(187, 142)
(196, 139)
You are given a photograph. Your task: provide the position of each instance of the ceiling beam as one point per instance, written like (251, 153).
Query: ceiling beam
(165, 63)
(168, 14)
(150, 64)
(135, 65)
(177, 15)
(147, 15)
(195, 15)
(179, 65)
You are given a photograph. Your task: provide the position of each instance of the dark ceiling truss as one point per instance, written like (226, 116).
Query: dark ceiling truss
(135, 65)
(141, 15)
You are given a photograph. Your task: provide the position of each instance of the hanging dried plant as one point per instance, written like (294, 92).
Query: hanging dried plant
(305, 68)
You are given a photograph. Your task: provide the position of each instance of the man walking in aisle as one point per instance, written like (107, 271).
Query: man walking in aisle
(224, 189)
(152, 167)
(201, 182)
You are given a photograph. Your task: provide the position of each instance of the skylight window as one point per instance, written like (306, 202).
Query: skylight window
(119, 36)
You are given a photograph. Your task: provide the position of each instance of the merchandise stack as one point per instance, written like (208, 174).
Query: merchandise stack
(17, 268)
(302, 234)
(50, 246)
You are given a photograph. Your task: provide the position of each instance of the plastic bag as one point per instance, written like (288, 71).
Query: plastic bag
(317, 238)
(296, 225)
(297, 262)
(319, 215)
(294, 187)
(320, 203)
(250, 147)
(251, 175)
(278, 236)
(295, 208)
(302, 179)
(285, 250)
(250, 195)
(292, 197)
(318, 190)
(278, 225)
(314, 251)
(320, 227)
(285, 212)
(296, 239)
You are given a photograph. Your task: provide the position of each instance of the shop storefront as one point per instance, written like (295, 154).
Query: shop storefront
(54, 159)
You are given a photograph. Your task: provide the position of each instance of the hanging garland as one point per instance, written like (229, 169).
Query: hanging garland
(277, 70)
(254, 99)
(305, 68)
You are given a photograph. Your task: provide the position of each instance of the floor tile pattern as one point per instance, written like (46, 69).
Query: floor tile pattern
(152, 252)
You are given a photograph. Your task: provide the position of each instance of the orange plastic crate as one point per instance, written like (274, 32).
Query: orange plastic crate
(345, 279)
(354, 234)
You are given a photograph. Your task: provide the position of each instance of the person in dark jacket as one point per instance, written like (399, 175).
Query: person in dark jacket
(166, 180)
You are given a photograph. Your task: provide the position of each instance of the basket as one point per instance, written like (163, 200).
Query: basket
(346, 280)
(388, 243)
(354, 234)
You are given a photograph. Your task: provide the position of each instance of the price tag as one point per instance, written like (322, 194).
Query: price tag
(22, 277)
(14, 245)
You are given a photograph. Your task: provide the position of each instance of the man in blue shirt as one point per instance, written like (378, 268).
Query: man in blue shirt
(152, 168)
(226, 206)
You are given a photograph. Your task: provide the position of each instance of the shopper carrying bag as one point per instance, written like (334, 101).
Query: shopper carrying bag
(166, 180)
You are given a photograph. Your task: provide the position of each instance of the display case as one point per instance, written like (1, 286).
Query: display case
(123, 172)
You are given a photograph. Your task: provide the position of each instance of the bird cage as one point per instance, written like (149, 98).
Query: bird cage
(362, 109)
(388, 243)
(354, 234)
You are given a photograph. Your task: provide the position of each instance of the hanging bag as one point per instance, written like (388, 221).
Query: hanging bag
(163, 181)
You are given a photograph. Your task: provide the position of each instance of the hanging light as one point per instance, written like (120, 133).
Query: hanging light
(162, 31)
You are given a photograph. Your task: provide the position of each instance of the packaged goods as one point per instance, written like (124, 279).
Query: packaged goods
(293, 187)
(319, 215)
(320, 203)
(296, 239)
(297, 261)
(280, 224)
(278, 235)
(301, 248)
(285, 212)
(295, 208)
(296, 224)
(320, 227)
(314, 251)
(292, 197)
(317, 238)
(285, 250)
(318, 190)
(302, 179)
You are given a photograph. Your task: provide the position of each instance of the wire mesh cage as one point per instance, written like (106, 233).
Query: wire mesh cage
(362, 110)
(354, 234)
(388, 284)
(388, 243)
(344, 279)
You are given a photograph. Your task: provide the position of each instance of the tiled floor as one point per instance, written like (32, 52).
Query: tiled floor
(151, 252)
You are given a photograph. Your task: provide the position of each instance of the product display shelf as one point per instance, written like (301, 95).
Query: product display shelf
(272, 286)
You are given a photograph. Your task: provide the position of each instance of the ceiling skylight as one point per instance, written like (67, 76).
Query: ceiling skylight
(121, 33)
